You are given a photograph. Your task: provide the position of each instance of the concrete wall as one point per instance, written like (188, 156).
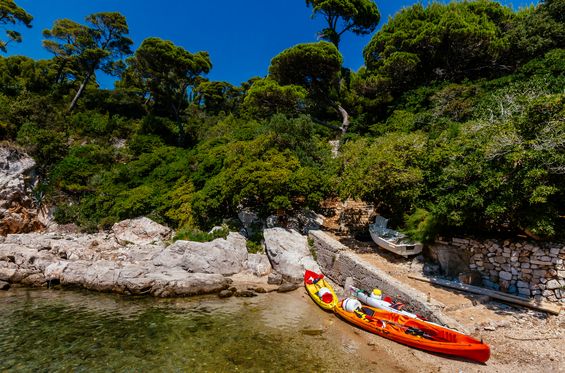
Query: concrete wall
(339, 263)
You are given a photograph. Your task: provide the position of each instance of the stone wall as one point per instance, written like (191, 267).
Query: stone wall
(349, 217)
(339, 263)
(526, 268)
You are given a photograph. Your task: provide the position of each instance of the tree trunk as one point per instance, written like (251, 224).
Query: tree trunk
(80, 90)
(59, 78)
(344, 120)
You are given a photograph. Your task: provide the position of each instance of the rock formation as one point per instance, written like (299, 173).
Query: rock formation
(289, 253)
(17, 214)
(138, 264)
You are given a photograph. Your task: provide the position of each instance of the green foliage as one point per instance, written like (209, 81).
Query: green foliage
(536, 31)
(82, 50)
(93, 124)
(216, 97)
(253, 247)
(266, 98)
(456, 124)
(12, 14)
(163, 72)
(445, 41)
(313, 66)
(45, 145)
(200, 236)
(19, 74)
(358, 16)
(263, 173)
(384, 171)
(72, 173)
(421, 226)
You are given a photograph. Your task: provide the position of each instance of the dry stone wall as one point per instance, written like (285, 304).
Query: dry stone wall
(349, 217)
(525, 268)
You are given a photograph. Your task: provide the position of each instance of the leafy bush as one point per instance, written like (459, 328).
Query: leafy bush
(197, 235)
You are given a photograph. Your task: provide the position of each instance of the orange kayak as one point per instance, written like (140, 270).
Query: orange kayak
(416, 333)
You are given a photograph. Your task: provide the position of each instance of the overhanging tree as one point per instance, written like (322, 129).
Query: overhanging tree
(358, 16)
(12, 14)
(67, 53)
(99, 46)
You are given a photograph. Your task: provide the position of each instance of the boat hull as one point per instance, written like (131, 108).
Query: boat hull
(435, 338)
(314, 288)
(401, 249)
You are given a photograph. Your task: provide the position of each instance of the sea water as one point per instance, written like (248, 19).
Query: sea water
(80, 331)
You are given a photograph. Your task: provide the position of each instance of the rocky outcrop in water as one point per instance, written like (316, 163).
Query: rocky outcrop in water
(17, 214)
(111, 263)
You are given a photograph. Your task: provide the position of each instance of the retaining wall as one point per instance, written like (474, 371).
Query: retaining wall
(526, 268)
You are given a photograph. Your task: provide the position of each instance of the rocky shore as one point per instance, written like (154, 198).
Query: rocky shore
(137, 257)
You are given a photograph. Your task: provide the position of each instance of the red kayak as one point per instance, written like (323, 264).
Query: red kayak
(414, 332)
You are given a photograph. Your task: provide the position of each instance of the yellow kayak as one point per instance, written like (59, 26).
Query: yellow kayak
(320, 290)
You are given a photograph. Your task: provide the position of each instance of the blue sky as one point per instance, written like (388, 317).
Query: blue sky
(241, 36)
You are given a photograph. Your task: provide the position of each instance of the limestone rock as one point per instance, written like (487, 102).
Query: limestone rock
(250, 221)
(140, 231)
(222, 256)
(289, 253)
(225, 293)
(259, 264)
(4, 285)
(552, 284)
(274, 279)
(97, 262)
(17, 213)
(180, 283)
(245, 293)
(287, 287)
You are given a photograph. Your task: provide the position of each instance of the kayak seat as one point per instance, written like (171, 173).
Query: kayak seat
(368, 311)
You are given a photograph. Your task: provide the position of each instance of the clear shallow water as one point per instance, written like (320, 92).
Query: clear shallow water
(50, 330)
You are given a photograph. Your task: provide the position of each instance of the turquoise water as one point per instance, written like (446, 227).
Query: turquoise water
(54, 330)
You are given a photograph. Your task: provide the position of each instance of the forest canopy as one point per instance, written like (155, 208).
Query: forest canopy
(456, 123)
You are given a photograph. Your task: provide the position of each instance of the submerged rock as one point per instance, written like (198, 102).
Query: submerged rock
(287, 287)
(4, 285)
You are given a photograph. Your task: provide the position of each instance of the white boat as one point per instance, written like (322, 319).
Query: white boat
(392, 240)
